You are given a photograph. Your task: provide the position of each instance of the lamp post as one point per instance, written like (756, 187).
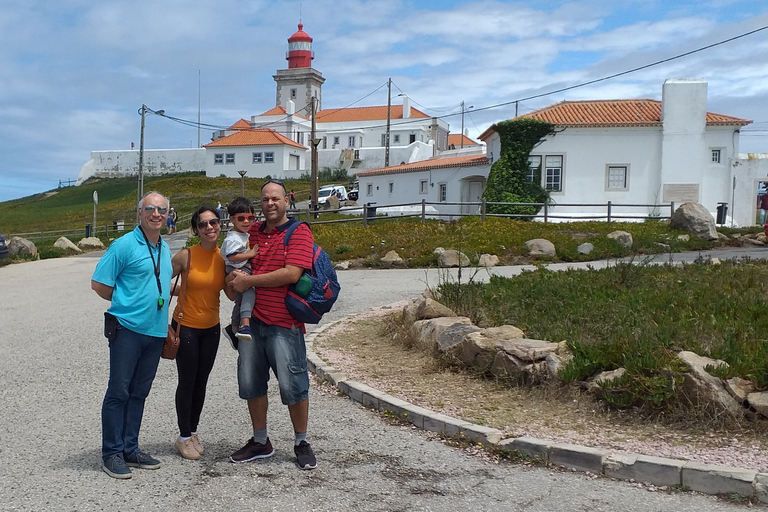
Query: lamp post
(242, 173)
(462, 123)
(143, 111)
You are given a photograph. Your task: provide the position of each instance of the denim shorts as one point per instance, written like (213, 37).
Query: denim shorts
(278, 348)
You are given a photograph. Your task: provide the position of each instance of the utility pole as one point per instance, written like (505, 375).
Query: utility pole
(140, 192)
(389, 116)
(462, 124)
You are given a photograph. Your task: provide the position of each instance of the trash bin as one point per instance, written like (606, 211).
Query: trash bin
(722, 212)
(370, 212)
(88, 230)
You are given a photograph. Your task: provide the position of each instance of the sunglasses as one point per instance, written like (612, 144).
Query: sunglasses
(279, 182)
(202, 224)
(243, 218)
(150, 208)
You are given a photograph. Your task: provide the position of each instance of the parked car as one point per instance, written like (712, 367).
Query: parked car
(354, 193)
(328, 190)
(3, 248)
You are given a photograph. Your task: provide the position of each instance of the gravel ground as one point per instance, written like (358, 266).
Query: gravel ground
(53, 373)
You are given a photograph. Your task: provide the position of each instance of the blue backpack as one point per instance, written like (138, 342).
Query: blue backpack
(325, 288)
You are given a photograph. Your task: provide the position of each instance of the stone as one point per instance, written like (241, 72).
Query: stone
(488, 260)
(530, 350)
(555, 363)
(717, 479)
(623, 238)
(452, 335)
(760, 485)
(594, 384)
(759, 401)
(684, 238)
(701, 387)
(739, 388)
(540, 247)
(438, 251)
(722, 236)
(505, 366)
(755, 241)
(695, 219)
(18, 246)
(392, 258)
(332, 203)
(453, 258)
(430, 308)
(91, 243)
(480, 348)
(663, 247)
(342, 265)
(529, 446)
(66, 244)
(426, 332)
(585, 248)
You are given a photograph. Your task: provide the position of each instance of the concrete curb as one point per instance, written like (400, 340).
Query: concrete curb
(658, 471)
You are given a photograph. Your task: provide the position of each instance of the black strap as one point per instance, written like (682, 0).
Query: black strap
(155, 265)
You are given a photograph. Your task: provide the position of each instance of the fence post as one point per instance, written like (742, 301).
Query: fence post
(482, 209)
(546, 213)
(365, 215)
(671, 209)
(609, 211)
(423, 209)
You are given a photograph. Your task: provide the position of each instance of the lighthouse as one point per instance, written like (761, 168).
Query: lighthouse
(300, 82)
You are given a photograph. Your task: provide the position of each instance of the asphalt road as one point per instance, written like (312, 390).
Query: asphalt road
(53, 374)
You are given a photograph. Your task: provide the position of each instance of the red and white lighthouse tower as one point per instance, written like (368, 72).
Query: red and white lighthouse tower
(300, 83)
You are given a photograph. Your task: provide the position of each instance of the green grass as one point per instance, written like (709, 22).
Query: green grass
(635, 317)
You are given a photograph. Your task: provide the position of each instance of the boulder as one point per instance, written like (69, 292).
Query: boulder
(453, 258)
(438, 251)
(65, 244)
(425, 333)
(663, 247)
(684, 238)
(392, 258)
(90, 244)
(430, 308)
(585, 248)
(623, 238)
(555, 363)
(18, 246)
(332, 203)
(739, 388)
(700, 387)
(342, 265)
(695, 219)
(452, 335)
(594, 385)
(480, 348)
(722, 236)
(759, 402)
(488, 260)
(540, 247)
(530, 350)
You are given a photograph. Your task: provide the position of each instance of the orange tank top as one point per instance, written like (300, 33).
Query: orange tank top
(204, 285)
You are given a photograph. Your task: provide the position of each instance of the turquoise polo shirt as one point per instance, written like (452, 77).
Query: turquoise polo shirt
(127, 268)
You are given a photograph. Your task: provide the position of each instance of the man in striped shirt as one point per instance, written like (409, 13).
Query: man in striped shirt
(278, 338)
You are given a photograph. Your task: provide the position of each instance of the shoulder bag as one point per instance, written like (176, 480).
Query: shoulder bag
(172, 341)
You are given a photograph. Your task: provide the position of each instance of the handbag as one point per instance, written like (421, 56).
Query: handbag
(172, 340)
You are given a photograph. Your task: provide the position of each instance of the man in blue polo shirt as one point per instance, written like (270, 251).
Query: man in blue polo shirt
(135, 275)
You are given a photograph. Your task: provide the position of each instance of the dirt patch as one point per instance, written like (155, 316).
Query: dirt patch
(366, 350)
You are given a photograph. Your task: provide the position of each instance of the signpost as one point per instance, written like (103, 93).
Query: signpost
(95, 202)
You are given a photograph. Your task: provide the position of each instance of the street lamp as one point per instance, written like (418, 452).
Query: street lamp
(242, 173)
(462, 122)
(143, 111)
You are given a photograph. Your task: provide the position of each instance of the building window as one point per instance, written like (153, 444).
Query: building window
(218, 158)
(269, 157)
(230, 158)
(391, 187)
(715, 156)
(352, 141)
(397, 139)
(554, 169)
(325, 142)
(534, 167)
(412, 138)
(443, 192)
(293, 94)
(335, 141)
(369, 189)
(383, 139)
(617, 177)
(257, 158)
(423, 187)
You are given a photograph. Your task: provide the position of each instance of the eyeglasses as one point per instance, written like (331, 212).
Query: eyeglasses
(150, 208)
(202, 224)
(243, 218)
(279, 182)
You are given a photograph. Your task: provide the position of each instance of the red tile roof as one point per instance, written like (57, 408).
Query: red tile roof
(335, 115)
(427, 165)
(612, 114)
(455, 139)
(240, 125)
(255, 137)
(279, 111)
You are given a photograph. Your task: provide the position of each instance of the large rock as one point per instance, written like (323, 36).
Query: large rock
(585, 248)
(91, 243)
(540, 247)
(488, 260)
(480, 348)
(739, 388)
(623, 238)
(430, 308)
(702, 388)
(392, 258)
(65, 244)
(342, 265)
(694, 218)
(453, 258)
(759, 402)
(18, 246)
(332, 203)
(556, 362)
(425, 333)
(452, 336)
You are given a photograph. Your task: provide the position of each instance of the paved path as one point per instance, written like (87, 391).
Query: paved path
(53, 373)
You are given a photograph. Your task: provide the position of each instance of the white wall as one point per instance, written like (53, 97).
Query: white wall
(115, 164)
(244, 160)
(373, 157)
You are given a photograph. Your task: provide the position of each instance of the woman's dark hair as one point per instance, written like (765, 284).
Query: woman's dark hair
(196, 217)
(240, 205)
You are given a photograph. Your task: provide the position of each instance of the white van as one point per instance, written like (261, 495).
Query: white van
(328, 190)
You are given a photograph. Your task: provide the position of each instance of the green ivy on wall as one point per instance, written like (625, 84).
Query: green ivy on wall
(507, 181)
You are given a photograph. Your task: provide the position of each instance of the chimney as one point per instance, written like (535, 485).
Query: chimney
(290, 107)
(406, 107)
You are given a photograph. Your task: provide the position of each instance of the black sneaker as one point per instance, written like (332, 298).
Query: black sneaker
(232, 337)
(142, 460)
(252, 451)
(305, 457)
(115, 466)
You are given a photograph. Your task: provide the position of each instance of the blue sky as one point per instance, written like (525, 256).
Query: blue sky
(75, 72)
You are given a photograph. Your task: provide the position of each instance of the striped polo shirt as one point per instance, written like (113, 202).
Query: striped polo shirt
(270, 302)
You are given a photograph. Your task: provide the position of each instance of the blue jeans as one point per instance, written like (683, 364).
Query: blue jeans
(133, 361)
(278, 348)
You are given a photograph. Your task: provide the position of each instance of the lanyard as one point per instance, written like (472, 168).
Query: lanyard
(155, 265)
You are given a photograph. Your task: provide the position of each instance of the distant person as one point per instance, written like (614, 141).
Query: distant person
(200, 329)
(135, 276)
(238, 256)
(293, 200)
(172, 218)
(278, 338)
(762, 206)
(218, 209)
